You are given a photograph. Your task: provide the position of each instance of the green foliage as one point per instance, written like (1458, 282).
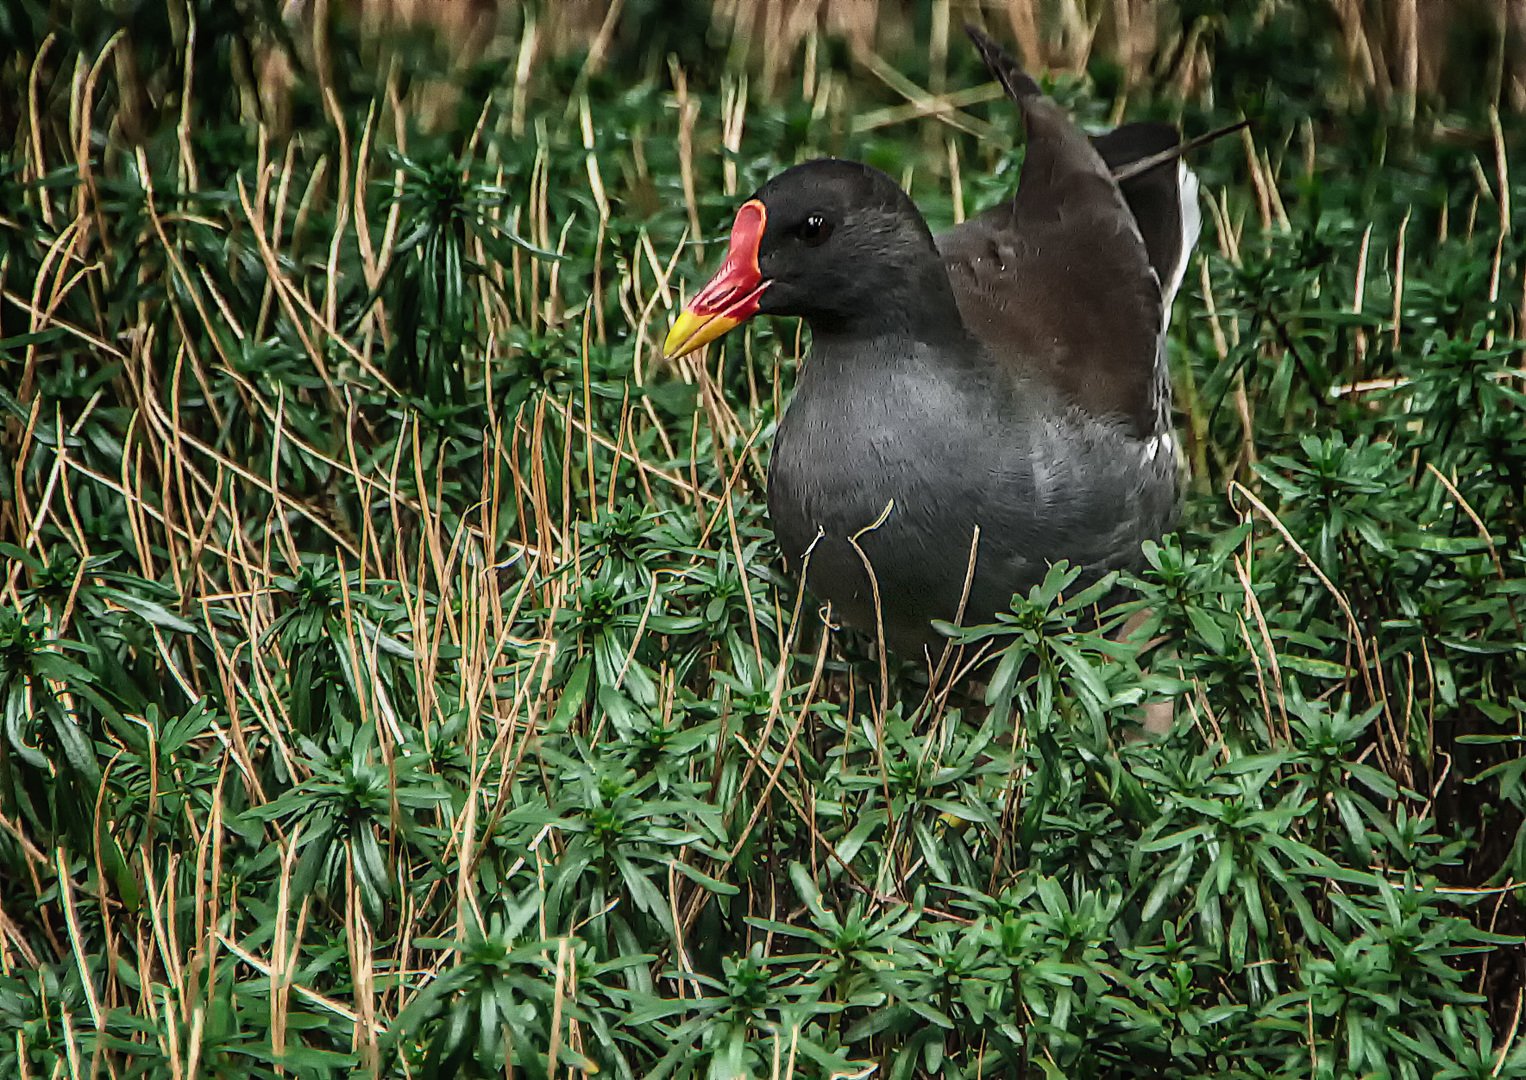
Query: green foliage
(396, 677)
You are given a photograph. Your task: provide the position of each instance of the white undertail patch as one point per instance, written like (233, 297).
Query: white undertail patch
(1192, 224)
(1191, 218)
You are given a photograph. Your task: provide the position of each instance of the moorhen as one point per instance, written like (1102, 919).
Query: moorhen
(997, 392)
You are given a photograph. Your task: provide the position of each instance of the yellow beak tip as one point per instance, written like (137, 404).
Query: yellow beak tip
(678, 334)
(691, 331)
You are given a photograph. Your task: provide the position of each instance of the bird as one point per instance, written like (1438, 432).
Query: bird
(979, 404)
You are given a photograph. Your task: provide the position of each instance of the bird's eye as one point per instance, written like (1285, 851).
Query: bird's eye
(815, 229)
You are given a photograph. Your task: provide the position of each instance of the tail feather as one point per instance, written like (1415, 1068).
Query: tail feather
(1155, 197)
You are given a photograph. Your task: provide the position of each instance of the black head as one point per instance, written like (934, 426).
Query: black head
(834, 242)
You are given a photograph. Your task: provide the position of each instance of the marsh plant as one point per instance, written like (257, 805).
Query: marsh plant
(396, 672)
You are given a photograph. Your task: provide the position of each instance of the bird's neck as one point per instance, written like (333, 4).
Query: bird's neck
(918, 308)
(871, 359)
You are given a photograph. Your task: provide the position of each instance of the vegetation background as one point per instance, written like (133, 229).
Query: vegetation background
(395, 673)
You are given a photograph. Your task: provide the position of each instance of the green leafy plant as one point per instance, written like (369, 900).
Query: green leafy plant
(397, 677)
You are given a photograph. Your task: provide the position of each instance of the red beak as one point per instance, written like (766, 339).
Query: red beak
(731, 297)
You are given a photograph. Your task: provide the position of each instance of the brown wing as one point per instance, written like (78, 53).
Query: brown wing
(1058, 283)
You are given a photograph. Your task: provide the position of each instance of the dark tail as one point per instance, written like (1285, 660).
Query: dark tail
(1154, 195)
(1137, 164)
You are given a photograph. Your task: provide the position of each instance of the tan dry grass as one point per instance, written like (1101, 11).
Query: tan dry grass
(1395, 49)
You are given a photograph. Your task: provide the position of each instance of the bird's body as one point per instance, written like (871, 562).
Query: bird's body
(978, 405)
(901, 468)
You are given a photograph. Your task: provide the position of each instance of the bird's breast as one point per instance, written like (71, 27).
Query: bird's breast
(883, 477)
(872, 452)
(876, 484)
